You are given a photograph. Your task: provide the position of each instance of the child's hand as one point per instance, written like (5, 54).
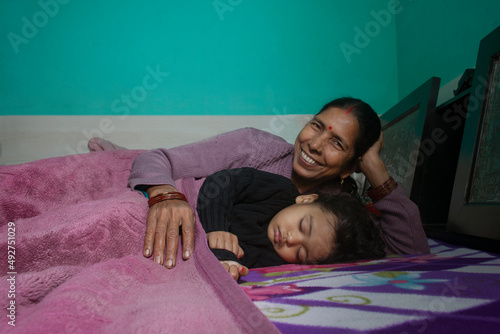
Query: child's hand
(235, 269)
(224, 240)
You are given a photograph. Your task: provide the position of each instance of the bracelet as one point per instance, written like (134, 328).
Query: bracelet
(382, 190)
(166, 196)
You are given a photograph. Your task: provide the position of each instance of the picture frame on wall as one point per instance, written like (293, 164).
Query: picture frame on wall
(475, 204)
(403, 127)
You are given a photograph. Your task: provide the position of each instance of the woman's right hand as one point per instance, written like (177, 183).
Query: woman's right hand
(162, 230)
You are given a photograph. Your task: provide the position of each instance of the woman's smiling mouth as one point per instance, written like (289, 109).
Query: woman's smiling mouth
(308, 159)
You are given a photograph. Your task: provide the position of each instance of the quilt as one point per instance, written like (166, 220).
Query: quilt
(451, 290)
(71, 233)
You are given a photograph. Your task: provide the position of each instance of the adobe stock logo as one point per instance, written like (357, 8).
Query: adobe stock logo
(139, 93)
(224, 6)
(40, 19)
(372, 29)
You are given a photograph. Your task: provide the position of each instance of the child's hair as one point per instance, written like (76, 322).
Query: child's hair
(356, 235)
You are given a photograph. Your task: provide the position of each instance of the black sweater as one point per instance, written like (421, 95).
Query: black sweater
(243, 201)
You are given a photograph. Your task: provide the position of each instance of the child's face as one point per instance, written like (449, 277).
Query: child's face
(302, 232)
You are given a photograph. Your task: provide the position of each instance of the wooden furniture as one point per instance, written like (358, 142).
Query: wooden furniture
(447, 157)
(475, 202)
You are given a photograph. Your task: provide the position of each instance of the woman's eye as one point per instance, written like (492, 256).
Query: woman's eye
(337, 144)
(315, 125)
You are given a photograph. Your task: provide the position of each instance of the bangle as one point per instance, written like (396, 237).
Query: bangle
(166, 196)
(382, 190)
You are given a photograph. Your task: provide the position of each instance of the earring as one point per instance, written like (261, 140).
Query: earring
(341, 182)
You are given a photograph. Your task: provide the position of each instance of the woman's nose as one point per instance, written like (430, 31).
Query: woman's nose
(316, 144)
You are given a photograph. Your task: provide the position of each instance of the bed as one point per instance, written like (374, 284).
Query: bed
(453, 289)
(72, 234)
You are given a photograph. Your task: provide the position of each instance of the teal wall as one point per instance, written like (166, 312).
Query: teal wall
(226, 57)
(441, 38)
(229, 57)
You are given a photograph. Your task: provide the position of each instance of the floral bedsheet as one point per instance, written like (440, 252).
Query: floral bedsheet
(453, 289)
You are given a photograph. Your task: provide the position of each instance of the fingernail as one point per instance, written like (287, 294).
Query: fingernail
(186, 255)
(157, 259)
(147, 252)
(170, 263)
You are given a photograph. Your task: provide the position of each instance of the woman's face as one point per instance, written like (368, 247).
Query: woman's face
(325, 146)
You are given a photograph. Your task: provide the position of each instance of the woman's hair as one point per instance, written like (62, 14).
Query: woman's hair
(369, 123)
(356, 237)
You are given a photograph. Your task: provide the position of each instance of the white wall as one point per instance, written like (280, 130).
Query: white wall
(29, 138)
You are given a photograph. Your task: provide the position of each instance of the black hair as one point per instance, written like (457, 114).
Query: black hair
(368, 120)
(356, 237)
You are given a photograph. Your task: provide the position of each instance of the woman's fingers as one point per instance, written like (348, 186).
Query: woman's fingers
(179, 214)
(188, 227)
(162, 231)
(372, 166)
(172, 243)
(379, 144)
(150, 233)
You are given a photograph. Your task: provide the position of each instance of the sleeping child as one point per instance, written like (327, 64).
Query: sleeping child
(258, 219)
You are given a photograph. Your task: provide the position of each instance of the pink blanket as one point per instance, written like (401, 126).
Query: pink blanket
(77, 266)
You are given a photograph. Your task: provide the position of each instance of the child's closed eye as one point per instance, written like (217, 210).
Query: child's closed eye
(305, 225)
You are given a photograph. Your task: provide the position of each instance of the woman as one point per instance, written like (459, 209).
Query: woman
(344, 137)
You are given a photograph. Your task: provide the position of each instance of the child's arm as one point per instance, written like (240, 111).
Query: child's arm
(235, 269)
(224, 240)
(224, 190)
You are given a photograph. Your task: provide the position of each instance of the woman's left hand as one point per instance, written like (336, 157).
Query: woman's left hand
(374, 151)
(372, 165)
